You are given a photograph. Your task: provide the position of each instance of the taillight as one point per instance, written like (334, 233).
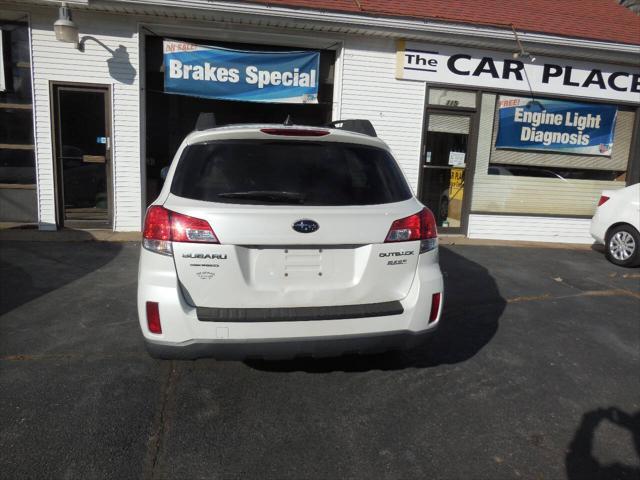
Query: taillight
(419, 226)
(153, 317)
(295, 132)
(162, 226)
(435, 307)
(190, 229)
(157, 224)
(602, 200)
(156, 235)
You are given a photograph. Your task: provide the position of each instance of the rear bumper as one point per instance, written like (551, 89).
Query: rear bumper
(598, 228)
(289, 348)
(217, 334)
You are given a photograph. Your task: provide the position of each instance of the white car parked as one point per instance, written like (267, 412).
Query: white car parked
(283, 241)
(616, 224)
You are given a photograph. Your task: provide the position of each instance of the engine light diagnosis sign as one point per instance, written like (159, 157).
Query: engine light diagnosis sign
(555, 125)
(250, 76)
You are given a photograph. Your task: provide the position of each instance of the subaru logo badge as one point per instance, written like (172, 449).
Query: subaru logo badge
(305, 226)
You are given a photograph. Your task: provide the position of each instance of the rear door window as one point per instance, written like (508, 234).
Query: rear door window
(289, 173)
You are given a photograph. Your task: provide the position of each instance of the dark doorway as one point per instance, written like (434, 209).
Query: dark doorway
(444, 165)
(83, 155)
(169, 118)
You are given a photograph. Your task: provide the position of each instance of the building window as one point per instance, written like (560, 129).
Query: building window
(446, 97)
(550, 162)
(17, 156)
(546, 182)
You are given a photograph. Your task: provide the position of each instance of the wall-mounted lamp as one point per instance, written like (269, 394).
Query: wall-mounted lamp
(66, 30)
(524, 54)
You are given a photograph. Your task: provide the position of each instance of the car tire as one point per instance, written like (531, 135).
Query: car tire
(622, 246)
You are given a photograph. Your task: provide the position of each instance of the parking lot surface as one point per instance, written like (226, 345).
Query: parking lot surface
(533, 374)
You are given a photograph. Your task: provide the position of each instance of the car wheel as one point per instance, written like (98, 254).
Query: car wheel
(623, 246)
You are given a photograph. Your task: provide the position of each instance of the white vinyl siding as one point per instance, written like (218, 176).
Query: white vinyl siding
(112, 63)
(528, 195)
(530, 228)
(395, 107)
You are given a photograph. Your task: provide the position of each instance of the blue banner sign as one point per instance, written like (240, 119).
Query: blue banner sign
(555, 125)
(220, 73)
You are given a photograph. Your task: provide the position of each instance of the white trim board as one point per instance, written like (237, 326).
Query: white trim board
(530, 228)
(2, 80)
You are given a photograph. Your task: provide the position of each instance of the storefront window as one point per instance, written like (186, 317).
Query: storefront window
(514, 175)
(17, 156)
(569, 139)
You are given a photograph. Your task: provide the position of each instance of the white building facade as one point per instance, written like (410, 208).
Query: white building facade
(442, 128)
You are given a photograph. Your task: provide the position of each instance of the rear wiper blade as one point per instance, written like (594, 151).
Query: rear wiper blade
(273, 195)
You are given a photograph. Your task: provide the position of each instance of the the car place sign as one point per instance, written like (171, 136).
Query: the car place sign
(499, 70)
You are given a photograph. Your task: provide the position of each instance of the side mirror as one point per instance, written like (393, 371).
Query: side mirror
(163, 173)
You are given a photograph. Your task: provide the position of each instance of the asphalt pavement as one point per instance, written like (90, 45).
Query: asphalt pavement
(533, 374)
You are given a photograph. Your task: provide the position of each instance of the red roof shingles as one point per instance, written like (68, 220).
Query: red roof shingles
(602, 20)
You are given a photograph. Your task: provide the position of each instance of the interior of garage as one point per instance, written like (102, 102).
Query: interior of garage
(169, 118)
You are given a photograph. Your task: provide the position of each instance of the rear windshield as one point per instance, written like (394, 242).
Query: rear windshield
(289, 173)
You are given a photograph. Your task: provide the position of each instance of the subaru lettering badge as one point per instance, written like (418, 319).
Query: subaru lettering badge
(305, 226)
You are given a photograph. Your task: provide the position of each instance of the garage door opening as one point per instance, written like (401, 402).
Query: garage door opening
(169, 118)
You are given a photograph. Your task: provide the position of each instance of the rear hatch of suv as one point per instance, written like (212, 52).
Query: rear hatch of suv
(299, 222)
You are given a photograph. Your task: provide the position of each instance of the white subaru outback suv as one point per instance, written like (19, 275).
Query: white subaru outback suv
(282, 241)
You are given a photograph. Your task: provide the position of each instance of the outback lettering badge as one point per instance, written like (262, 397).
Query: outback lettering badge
(215, 256)
(396, 254)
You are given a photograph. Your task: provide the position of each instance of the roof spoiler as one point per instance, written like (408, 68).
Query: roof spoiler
(357, 126)
(205, 121)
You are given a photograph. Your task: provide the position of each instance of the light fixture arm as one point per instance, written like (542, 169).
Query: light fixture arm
(524, 54)
(89, 37)
(521, 51)
(515, 34)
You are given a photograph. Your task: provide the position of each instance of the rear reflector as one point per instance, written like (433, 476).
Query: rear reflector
(435, 307)
(602, 200)
(295, 132)
(162, 226)
(153, 317)
(419, 226)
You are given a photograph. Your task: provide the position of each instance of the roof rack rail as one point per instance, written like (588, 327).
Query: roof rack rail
(205, 121)
(358, 126)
